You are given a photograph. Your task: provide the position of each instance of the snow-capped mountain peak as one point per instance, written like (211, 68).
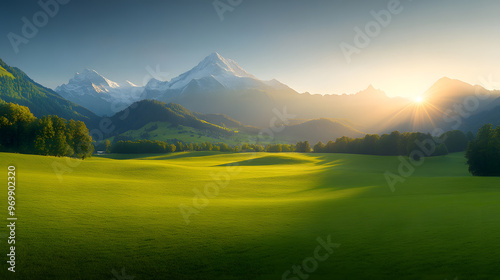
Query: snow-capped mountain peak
(217, 63)
(214, 65)
(96, 92)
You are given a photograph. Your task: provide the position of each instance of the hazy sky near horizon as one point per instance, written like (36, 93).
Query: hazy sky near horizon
(295, 41)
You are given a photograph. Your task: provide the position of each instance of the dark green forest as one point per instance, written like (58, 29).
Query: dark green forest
(22, 132)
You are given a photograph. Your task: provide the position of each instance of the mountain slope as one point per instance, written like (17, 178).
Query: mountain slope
(17, 87)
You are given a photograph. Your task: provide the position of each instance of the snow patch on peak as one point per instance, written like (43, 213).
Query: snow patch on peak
(91, 76)
(130, 84)
(99, 89)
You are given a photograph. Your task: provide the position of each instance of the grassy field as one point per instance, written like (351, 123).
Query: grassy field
(270, 209)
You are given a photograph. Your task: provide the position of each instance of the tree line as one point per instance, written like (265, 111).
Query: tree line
(22, 132)
(392, 144)
(154, 146)
(397, 144)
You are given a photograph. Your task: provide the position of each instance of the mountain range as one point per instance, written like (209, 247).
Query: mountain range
(218, 99)
(220, 86)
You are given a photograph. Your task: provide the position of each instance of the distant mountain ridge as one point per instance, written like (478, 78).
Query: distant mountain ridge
(317, 130)
(447, 105)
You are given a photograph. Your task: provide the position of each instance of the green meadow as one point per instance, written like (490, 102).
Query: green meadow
(263, 214)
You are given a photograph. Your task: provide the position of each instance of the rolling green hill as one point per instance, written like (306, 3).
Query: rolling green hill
(122, 212)
(169, 132)
(145, 112)
(17, 87)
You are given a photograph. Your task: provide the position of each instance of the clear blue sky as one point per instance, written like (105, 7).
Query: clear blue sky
(294, 41)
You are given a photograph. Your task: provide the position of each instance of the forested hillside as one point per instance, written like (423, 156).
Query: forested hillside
(17, 87)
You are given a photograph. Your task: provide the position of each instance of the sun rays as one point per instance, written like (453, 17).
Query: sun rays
(422, 113)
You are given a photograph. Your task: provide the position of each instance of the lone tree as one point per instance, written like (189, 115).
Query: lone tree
(108, 146)
(483, 154)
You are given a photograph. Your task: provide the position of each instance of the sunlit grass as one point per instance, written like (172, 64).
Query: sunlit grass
(110, 213)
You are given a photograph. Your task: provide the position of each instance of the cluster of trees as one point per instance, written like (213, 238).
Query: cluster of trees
(153, 146)
(22, 132)
(483, 153)
(397, 143)
(303, 147)
(277, 148)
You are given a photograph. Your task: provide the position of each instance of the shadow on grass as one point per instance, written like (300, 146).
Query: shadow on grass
(184, 155)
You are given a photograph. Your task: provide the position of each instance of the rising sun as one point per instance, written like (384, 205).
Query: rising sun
(419, 99)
